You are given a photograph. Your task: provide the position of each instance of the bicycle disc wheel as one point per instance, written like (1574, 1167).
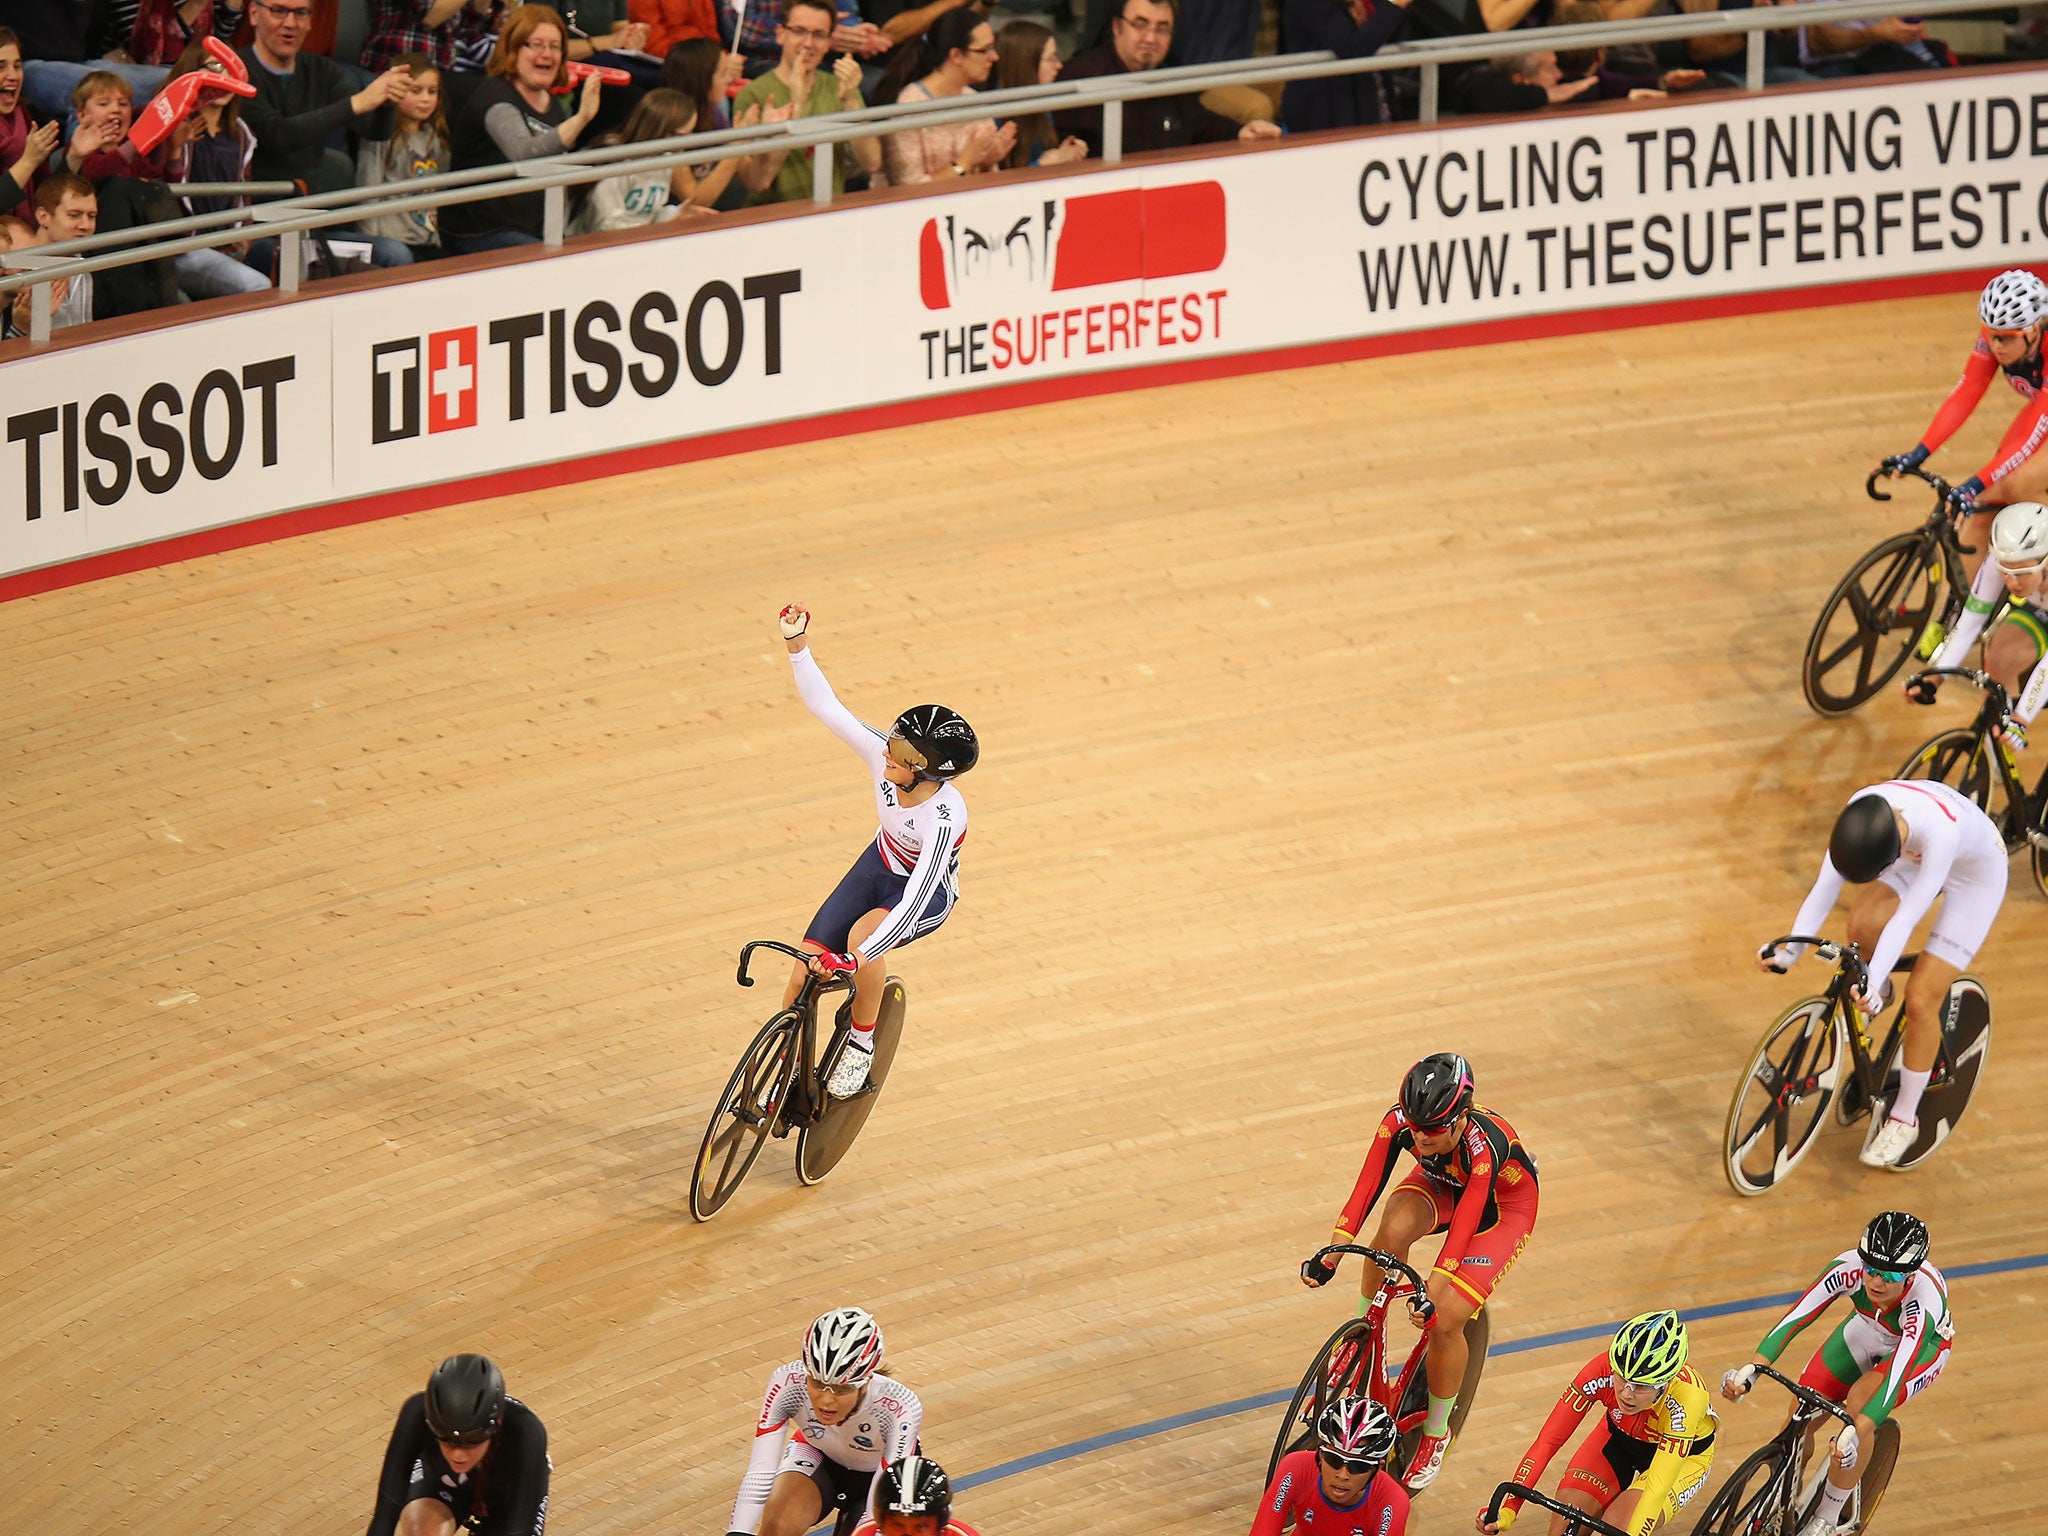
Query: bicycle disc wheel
(1415, 1393)
(745, 1114)
(2037, 856)
(1965, 1048)
(1959, 759)
(1749, 1502)
(1783, 1096)
(821, 1144)
(1877, 1475)
(1340, 1357)
(1870, 623)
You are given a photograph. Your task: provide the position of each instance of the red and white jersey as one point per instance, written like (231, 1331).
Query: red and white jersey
(922, 841)
(882, 1429)
(1296, 1497)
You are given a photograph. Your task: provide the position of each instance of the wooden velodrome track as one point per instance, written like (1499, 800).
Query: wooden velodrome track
(374, 897)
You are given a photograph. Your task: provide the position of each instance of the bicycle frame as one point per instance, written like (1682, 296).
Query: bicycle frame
(1387, 1393)
(2021, 804)
(1941, 527)
(804, 1103)
(1809, 1409)
(1868, 1069)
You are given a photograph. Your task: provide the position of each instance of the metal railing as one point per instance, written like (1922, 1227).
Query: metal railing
(291, 218)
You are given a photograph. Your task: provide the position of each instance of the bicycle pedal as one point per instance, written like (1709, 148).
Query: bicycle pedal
(2038, 838)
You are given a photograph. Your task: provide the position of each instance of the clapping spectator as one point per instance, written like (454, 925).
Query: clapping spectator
(638, 197)
(1351, 29)
(441, 31)
(59, 43)
(100, 146)
(954, 57)
(756, 33)
(516, 114)
(417, 146)
(1028, 54)
(302, 100)
(1521, 82)
(796, 87)
(702, 71)
(25, 146)
(1139, 38)
(67, 208)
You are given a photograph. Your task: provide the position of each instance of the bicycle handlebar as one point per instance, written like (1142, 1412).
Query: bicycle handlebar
(1984, 680)
(1385, 1261)
(1575, 1520)
(1807, 1395)
(747, 955)
(1941, 486)
(1827, 949)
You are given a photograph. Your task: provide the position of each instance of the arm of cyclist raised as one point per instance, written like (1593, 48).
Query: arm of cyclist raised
(872, 745)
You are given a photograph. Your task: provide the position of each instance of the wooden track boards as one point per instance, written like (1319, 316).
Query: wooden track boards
(375, 897)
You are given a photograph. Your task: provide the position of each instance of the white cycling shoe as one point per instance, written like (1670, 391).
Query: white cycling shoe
(1819, 1525)
(851, 1073)
(1887, 1144)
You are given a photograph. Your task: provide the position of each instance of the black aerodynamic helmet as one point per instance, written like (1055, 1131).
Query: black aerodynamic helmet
(944, 740)
(1865, 841)
(1435, 1091)
(914, 1486)
(465, 1400)
(1894, 1242)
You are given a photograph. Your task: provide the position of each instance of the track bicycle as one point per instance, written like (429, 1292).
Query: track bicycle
(779, 1087)
(1898, 599)
(1353, 1363)
(1577, 1522)
(1818, 1057)
(1974, 761)
(1770, 1494)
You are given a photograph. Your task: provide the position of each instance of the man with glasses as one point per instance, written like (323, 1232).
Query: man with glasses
(464, 1456)
(1139, 38)
(1340, 1486)
(1890, 1348)
(798, 87)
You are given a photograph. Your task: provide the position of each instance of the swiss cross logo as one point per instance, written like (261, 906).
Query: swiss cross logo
(451, 379)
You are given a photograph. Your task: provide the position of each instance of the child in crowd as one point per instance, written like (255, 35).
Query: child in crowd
(640, 197)
(418, 146)
(220, 148)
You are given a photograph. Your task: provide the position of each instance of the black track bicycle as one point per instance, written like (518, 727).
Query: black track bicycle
(1576, 1521)
(779, 1087)
(1973, 760)
(1899, 599)
(1353, 1363)
(1771, 1493)
(1818, 1058)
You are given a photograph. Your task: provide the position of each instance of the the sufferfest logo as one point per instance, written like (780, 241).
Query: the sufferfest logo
(1020, 263)
(519, 365)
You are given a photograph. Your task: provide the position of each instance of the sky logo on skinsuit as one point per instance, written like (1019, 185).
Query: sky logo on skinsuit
(1077, 242)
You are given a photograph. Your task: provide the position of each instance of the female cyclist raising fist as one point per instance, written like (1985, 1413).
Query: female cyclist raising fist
(905, 882)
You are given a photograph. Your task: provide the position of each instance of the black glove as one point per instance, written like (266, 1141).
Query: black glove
(1922, 690)
(1318, 1272)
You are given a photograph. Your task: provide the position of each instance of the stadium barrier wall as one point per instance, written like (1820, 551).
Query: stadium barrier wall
(139, 443)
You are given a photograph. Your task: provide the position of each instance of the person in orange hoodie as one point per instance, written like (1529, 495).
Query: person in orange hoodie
(673, 21)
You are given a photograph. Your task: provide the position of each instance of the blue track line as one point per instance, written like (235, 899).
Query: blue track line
(1117, 1437)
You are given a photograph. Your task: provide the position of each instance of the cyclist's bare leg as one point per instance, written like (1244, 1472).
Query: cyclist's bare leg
(1406, 1220)
(426, 1517)
(1448, 1351)
(1926, 987)
(1866, 1432)
(2009, 655)
(794, 1506)
(1623, 1510)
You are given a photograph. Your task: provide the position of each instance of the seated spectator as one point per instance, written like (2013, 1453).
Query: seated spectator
(1521, 82)
(1028, 54)
(1721, 55)
(303, 99)
(25, 147)
(100, 147)
(219, 148)
(953, 57)
(670, 23)
(756, 35)
(66, 209)
(163, 29)
(441, 31)
(15, 233)
(417, 145)
(1614, 83)
(796, 87)
(60, 49)
(515, 115)
(1139, 37)
(1833, 50)
(702, 70)
(638, 197)
(1351, 29)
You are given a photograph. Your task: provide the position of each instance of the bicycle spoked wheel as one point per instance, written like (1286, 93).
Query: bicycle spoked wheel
(1961, 760)
(820, 1145)
(1415, 1393)
(1870, 623)
(745, 1114)
(1965, 1048)
(1783, 1097)
(1337, 1366)
(1751, 1502)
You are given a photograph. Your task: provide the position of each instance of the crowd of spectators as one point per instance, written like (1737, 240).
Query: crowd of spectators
(107, 104)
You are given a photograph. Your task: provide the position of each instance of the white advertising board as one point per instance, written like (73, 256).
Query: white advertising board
(593, 351)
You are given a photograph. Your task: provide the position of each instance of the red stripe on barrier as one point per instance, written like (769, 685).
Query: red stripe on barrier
(997, 397)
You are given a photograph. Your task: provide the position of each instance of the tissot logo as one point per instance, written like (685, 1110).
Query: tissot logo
(451, 379)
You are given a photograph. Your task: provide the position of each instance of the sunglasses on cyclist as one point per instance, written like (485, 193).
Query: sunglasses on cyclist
(1357, 1466)
(1658, 1388)
(2033, 569)
(1888, 1276)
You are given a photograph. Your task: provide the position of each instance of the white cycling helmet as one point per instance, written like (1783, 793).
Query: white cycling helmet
(2019, 535)
(843, 1348)
(2013, 300)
